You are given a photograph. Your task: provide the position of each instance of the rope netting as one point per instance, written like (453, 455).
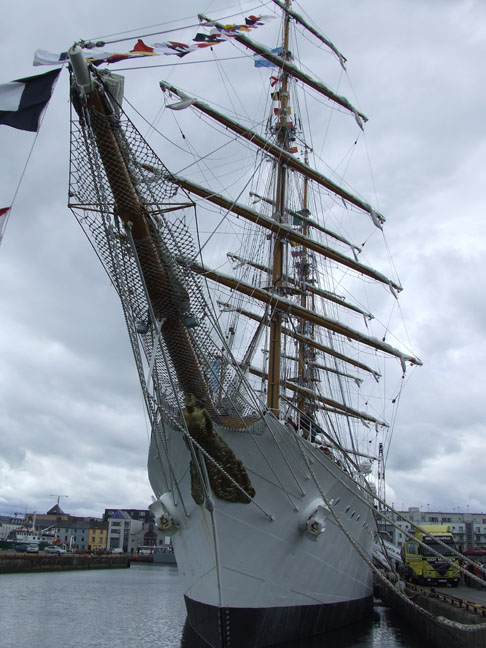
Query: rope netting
(116, 182)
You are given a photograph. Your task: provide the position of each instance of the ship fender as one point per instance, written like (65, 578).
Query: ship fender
(165, 513)
(312, 520)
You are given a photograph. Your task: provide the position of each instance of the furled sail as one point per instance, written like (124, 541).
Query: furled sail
(277, 151)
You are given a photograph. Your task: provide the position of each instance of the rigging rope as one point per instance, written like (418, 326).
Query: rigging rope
(167, 31)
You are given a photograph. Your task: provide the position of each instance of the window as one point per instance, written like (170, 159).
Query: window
(412, 548)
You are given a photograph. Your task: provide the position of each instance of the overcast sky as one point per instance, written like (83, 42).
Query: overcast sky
(71, 415)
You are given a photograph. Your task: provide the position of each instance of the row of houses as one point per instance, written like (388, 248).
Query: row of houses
(469, 529)
(128, 529)
(117, 530)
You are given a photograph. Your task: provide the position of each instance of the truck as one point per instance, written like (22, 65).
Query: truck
(422, 566)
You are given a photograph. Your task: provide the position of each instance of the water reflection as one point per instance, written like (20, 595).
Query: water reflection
(357, 635)
(143, 607)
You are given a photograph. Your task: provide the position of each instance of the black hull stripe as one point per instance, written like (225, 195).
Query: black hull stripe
(261, 627)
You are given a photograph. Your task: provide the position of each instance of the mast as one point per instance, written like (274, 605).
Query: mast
(274, 360)
(303, 270)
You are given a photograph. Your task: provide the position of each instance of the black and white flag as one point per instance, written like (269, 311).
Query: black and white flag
(22, 101)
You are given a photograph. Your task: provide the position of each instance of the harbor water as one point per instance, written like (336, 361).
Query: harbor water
(137, 607)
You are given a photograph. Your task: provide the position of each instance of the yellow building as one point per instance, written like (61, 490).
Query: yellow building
(97, 536)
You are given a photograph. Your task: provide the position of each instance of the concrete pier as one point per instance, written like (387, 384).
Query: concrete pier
(12, 562)
(470, 594)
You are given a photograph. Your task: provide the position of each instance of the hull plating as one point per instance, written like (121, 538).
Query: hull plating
(256, 562)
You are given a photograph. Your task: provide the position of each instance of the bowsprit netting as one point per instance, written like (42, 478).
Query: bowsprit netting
(116, 178)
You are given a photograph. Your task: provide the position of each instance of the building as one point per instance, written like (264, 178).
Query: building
(81, 534)
(54, 514)
(120, 528)
(469, 529)
(10, 524)
(97, 535)
(127, 533)
(148, 536)
(144, 515)
(69, 531)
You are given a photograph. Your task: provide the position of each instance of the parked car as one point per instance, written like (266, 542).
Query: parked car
(54, 550)
(33, 547)
(21, 547)
(27, 547)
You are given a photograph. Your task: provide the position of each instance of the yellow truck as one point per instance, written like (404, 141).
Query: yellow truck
(422, 566)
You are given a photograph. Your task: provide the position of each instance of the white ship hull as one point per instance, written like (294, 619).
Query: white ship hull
(256, 580)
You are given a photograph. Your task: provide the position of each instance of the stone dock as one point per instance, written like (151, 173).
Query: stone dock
(12, 562)
(444, 617)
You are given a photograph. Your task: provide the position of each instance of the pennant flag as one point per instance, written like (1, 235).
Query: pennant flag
(3, 219)
(296, 253)
(141, 47)
(172, 47)
(255, 21)
(202, 40)
(211, 39)
(260, 61)
(23, 101)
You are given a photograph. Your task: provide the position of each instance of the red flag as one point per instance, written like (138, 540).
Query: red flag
(141, 47)
(3, 219)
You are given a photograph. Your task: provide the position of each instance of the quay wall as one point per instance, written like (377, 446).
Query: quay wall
(442, 625)
(11, 563)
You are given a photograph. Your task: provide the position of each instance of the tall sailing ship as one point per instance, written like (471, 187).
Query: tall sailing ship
(254, 370)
